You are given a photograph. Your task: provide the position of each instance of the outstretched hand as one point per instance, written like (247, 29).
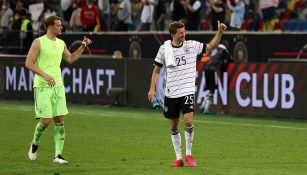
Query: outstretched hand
(86, 41)
(221, 26)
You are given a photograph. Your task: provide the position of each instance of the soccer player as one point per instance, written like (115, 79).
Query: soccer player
(220, 59)
(179, 58)
(44, 59)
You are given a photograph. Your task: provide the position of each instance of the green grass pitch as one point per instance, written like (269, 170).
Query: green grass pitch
(133, 141)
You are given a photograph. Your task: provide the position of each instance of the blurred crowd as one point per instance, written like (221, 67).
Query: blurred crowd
(154, 15)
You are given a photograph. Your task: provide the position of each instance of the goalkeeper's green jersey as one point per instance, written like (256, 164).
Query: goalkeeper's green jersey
(49, 61)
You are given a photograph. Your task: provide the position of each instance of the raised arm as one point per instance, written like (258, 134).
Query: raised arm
(217, 38)
(72, 57)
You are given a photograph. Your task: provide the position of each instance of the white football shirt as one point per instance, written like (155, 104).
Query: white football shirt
(180, 79)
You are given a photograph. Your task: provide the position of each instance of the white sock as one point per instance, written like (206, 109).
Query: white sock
(176, 139)
(189, 136)
(208, 103)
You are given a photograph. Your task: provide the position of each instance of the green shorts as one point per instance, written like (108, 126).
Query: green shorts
(50, 102)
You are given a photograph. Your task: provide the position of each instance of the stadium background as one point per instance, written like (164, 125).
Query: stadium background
(89, 79)
(268, 79)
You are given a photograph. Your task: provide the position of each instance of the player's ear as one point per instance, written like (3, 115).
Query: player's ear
(172, 35)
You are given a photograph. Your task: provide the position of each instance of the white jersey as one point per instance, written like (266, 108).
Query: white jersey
(180, 79)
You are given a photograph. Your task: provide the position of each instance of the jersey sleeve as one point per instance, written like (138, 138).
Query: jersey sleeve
(160, 58)
(199, 47)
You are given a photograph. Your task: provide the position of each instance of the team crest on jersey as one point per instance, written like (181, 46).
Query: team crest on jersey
(186, 49)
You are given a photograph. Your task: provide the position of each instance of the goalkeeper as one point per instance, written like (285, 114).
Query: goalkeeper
(44, 59)
(220, 58)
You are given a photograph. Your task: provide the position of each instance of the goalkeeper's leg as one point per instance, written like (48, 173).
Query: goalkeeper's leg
(41, 126)
(59, 138)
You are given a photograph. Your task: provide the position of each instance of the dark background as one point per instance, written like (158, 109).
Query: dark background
(257, 47)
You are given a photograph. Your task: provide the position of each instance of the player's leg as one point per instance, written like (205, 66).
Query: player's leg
(59, 134)
(59, 111)
(189, 137)
(43, 111)
(40, 127)
(208, 101)
(176, 140)
(211, 85)
(59, 139)
(187, 110)
(189, 132)
(172, 112)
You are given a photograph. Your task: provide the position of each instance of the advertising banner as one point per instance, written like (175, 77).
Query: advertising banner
(265, 89)
(260, 89)
(87, 80)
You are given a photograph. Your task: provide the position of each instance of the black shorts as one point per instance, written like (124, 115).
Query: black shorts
(173, 106)
(211, 80)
